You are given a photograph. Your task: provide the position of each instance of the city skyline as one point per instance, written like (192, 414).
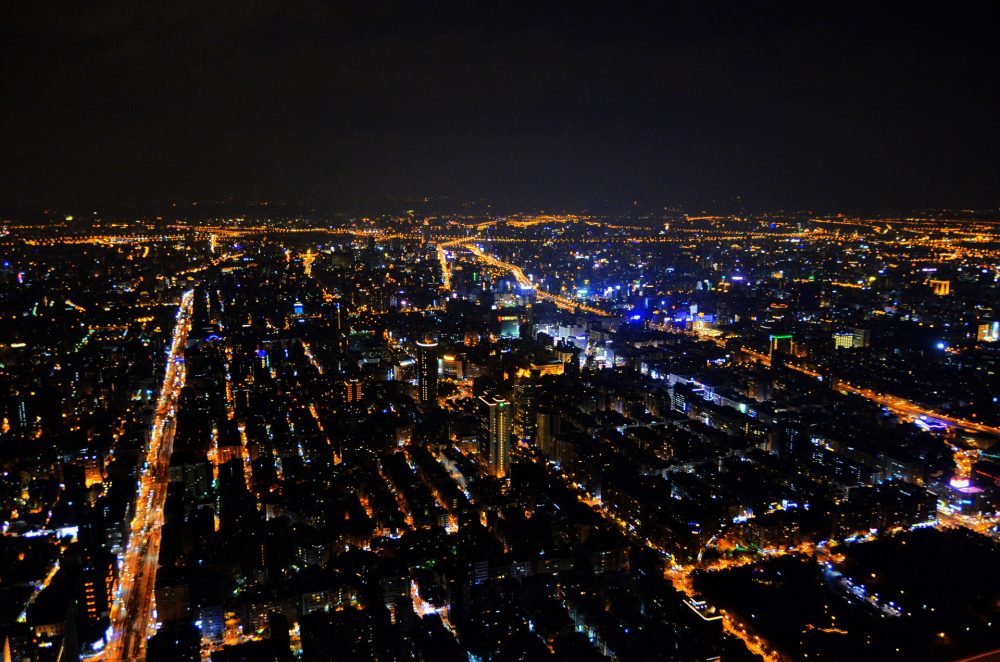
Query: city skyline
(463, 435)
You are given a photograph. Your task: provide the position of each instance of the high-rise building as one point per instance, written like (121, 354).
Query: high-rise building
(988, 332)
(525, 396)
(427, 371)
(453, 365)
(782, 344)
(862, 337)
(496, 420)
(940, 287)
(352, 390)
(97, 578)
(852, 339)
(547, 424)
(510, 326)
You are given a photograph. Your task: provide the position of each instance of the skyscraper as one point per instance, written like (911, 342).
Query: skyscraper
(525, 396)
(496, 419)
(782, 344)
(940, 287)
(427, 371)
(852, 339)
(988, 332)
(352, 390)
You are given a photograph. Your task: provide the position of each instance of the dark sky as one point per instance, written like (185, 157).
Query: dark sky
(559, 105)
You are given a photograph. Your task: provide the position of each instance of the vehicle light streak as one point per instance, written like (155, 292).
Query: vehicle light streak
(132, 611)
(524, 281)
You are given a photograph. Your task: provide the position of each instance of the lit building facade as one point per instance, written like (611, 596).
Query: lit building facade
(496, 419)
(427, 371)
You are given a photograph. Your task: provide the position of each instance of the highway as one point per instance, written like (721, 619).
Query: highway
(445, 267)
(468, 244)
(524, 281)
(131, 615)
(899, 405)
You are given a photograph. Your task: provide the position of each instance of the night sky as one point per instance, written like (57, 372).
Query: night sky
(542, 105)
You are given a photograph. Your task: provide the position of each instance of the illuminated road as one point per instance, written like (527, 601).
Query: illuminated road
(131, 614)
(524, 281)
(445, 268)
(907, 408)
(516, 271)
(899, 406)
(753, 642)
(679, 576)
